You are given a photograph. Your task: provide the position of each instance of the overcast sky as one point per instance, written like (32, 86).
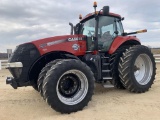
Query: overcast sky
(26, 20)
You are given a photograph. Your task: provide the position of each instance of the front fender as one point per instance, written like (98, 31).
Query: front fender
(74, 44)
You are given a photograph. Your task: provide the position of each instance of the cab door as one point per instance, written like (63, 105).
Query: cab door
(88, 29)
(107, 27)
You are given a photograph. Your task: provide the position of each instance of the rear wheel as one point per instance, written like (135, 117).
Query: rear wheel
(137, 69)
(68, 86)
(114, 62)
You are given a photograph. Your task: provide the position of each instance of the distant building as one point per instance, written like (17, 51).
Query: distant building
(3, 56)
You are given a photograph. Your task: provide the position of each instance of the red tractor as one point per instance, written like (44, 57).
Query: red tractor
(64, 68)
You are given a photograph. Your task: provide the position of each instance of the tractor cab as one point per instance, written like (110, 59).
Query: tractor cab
(109, 27)
(100, 29)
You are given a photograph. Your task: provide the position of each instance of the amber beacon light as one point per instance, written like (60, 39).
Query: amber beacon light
(95, 4)
(80, 16)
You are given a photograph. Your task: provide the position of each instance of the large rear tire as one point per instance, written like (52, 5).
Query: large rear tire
(42, 75)
(137, 69)
(68, 86)
(114, 62)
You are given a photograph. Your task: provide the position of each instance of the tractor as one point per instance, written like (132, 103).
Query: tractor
(65, 68)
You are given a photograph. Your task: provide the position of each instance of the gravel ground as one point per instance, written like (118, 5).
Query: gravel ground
(107, 104)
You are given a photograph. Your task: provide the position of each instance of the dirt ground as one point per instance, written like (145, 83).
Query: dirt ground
(107, 104)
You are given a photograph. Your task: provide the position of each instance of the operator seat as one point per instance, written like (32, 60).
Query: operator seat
(105, 41)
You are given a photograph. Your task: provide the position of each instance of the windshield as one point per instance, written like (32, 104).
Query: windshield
(88, 28)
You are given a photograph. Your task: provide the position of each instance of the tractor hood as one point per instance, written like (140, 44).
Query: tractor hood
(74, 44)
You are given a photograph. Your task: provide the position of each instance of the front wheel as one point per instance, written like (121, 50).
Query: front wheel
(42, 75)
(68, 86)
(137, 69)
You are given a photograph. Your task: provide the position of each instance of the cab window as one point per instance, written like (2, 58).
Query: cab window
(88, 28)
(107, 28)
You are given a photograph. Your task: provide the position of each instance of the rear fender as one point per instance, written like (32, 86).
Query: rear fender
(123, 40)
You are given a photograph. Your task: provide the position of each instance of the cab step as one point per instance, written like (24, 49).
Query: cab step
(107, 78)
(107, 84)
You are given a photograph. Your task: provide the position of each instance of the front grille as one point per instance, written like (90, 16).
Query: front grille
(24, 52)
(27, 54)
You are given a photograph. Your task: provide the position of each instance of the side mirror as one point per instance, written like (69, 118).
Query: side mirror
(122, 18)
(105, 10)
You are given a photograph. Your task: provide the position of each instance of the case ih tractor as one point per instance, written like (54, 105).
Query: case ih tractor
(64, 68)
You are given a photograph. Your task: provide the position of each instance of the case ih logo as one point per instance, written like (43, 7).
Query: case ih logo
(74, 39)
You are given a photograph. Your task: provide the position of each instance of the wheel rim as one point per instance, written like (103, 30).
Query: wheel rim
(72, 87)
(143, 69)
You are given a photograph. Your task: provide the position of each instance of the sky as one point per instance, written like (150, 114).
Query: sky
(27, 20)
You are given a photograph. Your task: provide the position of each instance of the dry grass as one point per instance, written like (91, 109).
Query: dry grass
(155, 50)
